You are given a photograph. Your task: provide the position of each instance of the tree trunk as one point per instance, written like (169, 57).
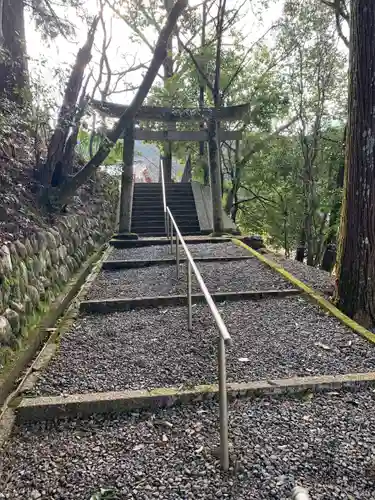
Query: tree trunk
(67, 111)
(202, 149)
(14, 81)
(213, 148)
(301, 249)
(168, 73)
(356, 262)
(71, 143)
(77, 180)
(127, 180)
(186, 176)
(329, 255)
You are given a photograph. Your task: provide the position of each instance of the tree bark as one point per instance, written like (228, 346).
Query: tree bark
(213, 149)
(301, 249)
(159, 55)
(356, 262)
(202, 150)
(168, 73)
(67, 110)
(127, 180)
(329, 255)
(14, 81)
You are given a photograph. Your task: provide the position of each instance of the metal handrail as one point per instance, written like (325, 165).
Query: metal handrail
(224, 337)
(211, 304)
(164, 194)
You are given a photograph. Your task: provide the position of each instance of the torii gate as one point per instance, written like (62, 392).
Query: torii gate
(213, 135)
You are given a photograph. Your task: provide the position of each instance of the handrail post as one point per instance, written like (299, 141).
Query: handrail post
(223, 404)
(177, 257)
(223, 338)
(300, 493)
(189, 301)
(171, 237)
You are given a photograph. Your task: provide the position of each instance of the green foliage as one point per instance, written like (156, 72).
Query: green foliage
(274, 186)
(83, 148)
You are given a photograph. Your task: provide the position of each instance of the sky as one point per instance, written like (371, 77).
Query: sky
(61, 53)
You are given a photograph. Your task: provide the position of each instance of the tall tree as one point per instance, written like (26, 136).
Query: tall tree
(356, 261)
(14, 79)
(316, 78)
(13, 62)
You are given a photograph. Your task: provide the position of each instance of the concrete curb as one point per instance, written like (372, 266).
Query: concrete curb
(104, 306)
(134, 264)
(80, 405)
(118, 243)
(315, 296)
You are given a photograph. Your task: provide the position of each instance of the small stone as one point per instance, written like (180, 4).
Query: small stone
(6, 336)
(33, 293)
(63, 252)
(21, 249)
(51, 240)
(14, 320)
(29, 248)
(64, 274)
(42, 241)
(5, 259)
(54, 256)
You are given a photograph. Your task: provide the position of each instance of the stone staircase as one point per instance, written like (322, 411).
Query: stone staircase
(148, 214)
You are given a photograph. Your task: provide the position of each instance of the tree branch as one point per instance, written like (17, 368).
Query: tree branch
(197, 66)
(159, 55)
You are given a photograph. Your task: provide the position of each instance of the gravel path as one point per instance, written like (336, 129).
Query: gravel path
(163, 251)
(161, 280)
(272, 338)
(326, 444)
(312, 276)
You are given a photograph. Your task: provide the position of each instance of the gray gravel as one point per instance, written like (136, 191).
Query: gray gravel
(163, 251)
(161, 280)
(272, 338)
(327, 444)
(312, 276)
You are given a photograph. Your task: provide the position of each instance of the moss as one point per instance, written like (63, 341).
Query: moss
(172, 391)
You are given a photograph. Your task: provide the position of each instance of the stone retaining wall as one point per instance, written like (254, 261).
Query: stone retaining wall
(35, 270)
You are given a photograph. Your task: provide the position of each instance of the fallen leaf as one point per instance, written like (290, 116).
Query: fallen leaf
(323, 346)
(138, 447)
(164, 438)
(163, 423)
(243, 360)
(199, 450)
(308, 396)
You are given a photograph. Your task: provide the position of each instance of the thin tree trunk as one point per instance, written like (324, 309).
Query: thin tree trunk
(356, 263)
(68, 157)
(301, 249)
(14, 80)
(202, 150)
(68, 109)
(213, 128)
(127, 180)
(329, 255)
(213, 148)
(159, 55)
(168, 73)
